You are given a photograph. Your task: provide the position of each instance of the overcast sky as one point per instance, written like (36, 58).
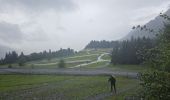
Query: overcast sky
(36, 25)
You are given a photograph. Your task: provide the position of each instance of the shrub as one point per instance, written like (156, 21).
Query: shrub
(155, 85)
(9, 66)
(61, 64)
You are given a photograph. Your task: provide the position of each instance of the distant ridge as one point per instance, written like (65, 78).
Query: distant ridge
(157, 24)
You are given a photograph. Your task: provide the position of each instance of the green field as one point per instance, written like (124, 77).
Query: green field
(129, 68)
(54, 62)
(96, 65)
(62, 87)
(19, 87)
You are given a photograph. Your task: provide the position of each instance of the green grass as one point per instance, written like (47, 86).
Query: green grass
(90, 57)
(96, 65)
(106, 57)
(53, 62)
(73, 64)
(131, 68)
(65, 87)
(13, 82)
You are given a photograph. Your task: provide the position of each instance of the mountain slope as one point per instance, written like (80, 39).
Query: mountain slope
(157, 24)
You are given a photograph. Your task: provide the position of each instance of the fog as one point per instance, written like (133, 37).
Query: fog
(36, 25)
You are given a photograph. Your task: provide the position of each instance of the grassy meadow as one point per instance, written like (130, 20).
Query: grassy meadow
(19, 87)
(64, 87)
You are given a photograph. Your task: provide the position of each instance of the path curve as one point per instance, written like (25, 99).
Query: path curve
(99, 59)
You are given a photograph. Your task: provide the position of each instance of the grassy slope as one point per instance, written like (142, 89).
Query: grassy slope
(96, 65)
(53, 62)
(93, 54)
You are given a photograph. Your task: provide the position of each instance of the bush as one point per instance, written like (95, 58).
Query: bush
(21, 64)
(10, 66)
(61, 64)
(155, 85)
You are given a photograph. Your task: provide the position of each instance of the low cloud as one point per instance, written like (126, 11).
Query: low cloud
(36, 5)
(36, 25)
(10, 33)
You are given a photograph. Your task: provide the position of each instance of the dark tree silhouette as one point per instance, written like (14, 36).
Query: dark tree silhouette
(12, 57)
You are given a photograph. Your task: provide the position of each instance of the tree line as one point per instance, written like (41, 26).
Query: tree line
(101, 44)
(154, 53)
(128, 51)
(155, 83)
(14, 57)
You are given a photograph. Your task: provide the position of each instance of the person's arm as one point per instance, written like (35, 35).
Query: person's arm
(109, 80)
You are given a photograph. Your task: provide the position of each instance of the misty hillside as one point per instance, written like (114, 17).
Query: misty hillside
(101, 44)
(157, 24)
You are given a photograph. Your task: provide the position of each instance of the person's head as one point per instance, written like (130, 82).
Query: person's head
(112, 75)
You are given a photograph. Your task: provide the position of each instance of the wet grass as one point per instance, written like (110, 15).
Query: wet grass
(106, 57)
(64, 87)
(96, 65)
(129, 68)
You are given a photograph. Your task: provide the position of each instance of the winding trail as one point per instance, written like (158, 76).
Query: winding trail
(86, 62)
(99, 59)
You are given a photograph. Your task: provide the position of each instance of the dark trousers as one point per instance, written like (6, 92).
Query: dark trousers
(112, 87)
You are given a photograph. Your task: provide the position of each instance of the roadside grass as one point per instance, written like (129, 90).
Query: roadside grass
(130, 68)
(96, 65)
(55, 65)
(73, 64)
(106, 57)
(64, 87)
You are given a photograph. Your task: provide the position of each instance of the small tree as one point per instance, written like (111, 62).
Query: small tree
(22, 59)
(61, 64)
